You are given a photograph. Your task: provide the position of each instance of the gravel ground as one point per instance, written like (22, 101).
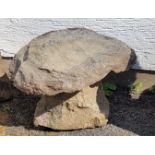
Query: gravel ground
(109, 130)
(127, 117)
(136, 115)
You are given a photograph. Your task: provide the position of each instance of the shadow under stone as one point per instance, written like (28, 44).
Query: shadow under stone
(136, 115)
(20, 110)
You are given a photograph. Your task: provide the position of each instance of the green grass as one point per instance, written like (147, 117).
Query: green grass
(109, 88)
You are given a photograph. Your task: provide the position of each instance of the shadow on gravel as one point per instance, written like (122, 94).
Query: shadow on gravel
(19, 110)
(136, 115)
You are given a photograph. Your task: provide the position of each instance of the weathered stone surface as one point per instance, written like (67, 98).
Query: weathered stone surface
(67, 61)
(88, 108)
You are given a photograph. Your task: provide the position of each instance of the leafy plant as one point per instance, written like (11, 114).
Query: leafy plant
(109, 88)
(136, 87)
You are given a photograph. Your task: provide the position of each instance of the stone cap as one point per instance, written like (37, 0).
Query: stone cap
(68, 61)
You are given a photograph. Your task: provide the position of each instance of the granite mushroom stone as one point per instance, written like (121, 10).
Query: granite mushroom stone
(66, 61)
(65, 67)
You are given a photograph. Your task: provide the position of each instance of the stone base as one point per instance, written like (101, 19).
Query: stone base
(88, 108)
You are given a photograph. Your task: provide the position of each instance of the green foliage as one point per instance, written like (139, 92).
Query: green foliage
(136, 87)
(152, 89)
(109, 88)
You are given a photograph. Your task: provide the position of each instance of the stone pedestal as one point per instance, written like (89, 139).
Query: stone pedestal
(88, 108)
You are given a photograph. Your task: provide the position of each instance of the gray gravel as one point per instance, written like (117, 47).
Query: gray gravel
(109, 130)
